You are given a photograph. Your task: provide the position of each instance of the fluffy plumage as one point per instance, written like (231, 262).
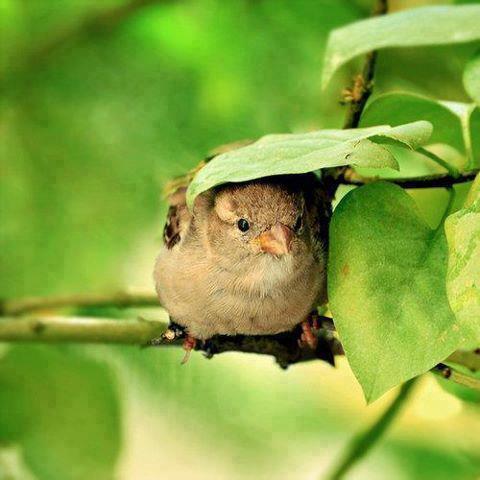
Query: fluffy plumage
(215, 276)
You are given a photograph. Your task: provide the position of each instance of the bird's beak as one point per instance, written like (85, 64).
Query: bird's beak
(277, 240)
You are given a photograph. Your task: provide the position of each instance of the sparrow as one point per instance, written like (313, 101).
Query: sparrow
(249, 259)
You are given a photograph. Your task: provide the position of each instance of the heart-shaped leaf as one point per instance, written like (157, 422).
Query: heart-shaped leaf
(386, 282)
(455, 124)
(307, 152)
(433, 25)
(463, 278)
(471, 79)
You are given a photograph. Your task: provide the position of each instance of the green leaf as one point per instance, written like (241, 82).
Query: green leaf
(471, 79)
(433, 25)
(463, 278)
(60, 408)
(386, 282)
(455, 124)
(307, 152)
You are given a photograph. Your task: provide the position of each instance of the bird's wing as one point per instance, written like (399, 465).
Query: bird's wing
(319, 211)
(178, 218)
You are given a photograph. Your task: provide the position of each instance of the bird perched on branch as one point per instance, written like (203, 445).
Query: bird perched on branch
(250, 259)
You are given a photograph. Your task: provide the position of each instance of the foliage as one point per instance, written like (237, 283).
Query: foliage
(434, 25)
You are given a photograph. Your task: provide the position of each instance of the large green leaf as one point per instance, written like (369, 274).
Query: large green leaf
(433, 25)
(463, 278)
(471, 79)
(60, 408)
(455, 124)
(307, 152)
(387, 290)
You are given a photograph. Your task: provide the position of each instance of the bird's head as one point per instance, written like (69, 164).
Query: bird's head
(264, 216)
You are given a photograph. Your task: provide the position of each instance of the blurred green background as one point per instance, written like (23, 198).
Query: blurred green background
(98, 110)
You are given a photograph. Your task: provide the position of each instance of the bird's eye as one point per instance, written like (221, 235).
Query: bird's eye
(298, 224)
(243, 225)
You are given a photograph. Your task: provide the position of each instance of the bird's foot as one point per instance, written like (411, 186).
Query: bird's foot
(188, 345)
(308, 336)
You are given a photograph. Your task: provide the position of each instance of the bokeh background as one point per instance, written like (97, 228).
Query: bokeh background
(101, 104)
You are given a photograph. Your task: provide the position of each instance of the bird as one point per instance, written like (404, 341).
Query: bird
(249, 259)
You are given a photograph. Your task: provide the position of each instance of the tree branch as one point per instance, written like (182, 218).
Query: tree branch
(350, 177)
(79, 330)
(363, 84)
(356, 97)
(364, 441)
(283, 346)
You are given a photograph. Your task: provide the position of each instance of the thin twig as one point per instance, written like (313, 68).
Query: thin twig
(25, 305)
(363, 84)
(455, 376)
(356, 97)
(363, 442)
(350, 177)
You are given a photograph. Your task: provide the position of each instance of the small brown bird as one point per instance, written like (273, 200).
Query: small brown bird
(251, 259)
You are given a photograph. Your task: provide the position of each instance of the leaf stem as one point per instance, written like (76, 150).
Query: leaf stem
(364, 441)
(448, 208)
(452, 170)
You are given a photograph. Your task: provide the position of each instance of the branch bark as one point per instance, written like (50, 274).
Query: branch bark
(56, 329)
(283, 347)
(363, 84)
(356, 97)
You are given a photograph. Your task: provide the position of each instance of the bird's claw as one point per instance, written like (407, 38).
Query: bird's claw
(189, 344)
(307, 336)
